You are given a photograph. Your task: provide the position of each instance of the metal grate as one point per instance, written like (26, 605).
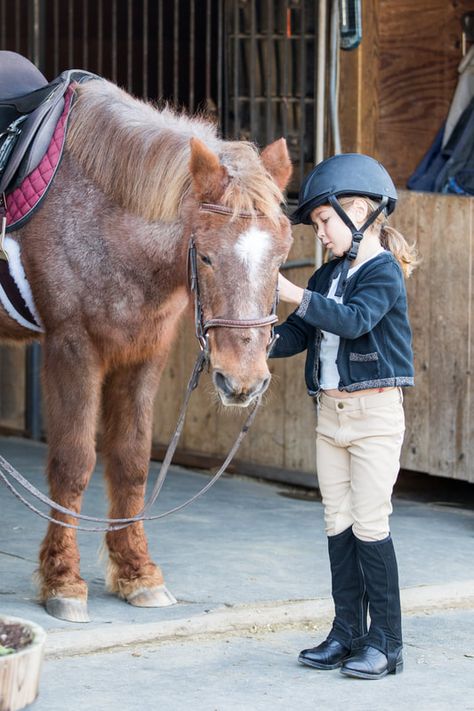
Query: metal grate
(251, 64)
(271, 74)
(152, 48)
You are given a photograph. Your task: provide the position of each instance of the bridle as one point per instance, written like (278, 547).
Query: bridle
(202, 327)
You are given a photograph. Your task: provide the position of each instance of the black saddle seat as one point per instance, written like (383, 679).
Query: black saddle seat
(18, 76)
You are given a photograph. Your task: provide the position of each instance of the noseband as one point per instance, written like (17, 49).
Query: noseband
(202, 327)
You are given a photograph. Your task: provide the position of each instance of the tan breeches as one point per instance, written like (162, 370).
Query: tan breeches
(358, 443)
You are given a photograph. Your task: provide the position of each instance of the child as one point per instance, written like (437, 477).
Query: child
(352, 321)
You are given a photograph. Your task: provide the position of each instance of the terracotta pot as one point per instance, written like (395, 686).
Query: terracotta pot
(20, 671)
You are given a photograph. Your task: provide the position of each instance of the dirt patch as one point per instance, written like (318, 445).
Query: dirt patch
(14, 637)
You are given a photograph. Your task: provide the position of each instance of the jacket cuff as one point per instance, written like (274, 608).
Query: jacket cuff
(303, 307)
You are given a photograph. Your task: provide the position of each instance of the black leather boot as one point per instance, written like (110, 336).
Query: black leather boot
(350, 602)
(382, 650)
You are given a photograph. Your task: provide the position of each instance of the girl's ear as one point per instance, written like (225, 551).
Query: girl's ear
(359, 209)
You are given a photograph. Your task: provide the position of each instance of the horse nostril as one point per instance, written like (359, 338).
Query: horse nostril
(223, 383)
(260, 388)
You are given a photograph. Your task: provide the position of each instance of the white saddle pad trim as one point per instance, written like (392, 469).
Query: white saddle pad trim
(17, 272)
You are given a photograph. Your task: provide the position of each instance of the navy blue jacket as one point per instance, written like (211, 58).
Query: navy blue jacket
(375, 348)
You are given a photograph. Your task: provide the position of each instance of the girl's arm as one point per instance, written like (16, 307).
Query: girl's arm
(294, 333)
(373, 296)
(292, 337)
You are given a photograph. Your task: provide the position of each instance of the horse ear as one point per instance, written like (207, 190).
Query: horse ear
(276, 160)
(210, 178)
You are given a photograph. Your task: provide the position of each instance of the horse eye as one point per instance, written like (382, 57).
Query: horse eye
(206, 260)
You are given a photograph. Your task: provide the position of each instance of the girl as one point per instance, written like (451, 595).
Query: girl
(352, 321)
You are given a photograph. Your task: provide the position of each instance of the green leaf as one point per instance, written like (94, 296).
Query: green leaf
(5, 650)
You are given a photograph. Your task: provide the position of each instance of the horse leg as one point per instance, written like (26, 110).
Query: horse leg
(128, 411)
(72, 379)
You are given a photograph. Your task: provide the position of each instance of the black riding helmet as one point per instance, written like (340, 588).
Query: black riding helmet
(346, 174)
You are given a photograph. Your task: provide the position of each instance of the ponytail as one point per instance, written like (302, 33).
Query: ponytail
(404, 253)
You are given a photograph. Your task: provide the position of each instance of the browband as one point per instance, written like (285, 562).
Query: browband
(223, 210)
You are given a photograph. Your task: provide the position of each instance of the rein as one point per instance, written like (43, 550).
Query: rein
(201, 328)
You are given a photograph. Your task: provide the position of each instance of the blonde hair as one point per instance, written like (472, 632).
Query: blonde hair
(391, 239)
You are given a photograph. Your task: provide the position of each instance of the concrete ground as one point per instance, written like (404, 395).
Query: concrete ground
(248, 565)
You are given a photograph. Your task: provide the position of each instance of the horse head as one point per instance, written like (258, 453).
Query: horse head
(241, 237)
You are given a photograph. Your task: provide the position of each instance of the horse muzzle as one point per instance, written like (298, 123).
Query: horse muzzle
(233, 393)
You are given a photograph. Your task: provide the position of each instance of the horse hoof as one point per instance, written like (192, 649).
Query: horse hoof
(71, 609)
(159, 596)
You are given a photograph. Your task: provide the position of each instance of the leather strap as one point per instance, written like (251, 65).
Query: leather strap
(242, 323)
(223, 210)
(357, 236)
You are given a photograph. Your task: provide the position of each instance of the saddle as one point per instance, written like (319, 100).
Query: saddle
(30, 109)
(33, 122)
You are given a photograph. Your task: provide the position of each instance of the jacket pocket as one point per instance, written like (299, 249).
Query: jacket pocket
(364, 366)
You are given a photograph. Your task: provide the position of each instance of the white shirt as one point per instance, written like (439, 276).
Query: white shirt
(329, 375)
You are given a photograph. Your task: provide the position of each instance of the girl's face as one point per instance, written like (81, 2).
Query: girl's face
(332, 231)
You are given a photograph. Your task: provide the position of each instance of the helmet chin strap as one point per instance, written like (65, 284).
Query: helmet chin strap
(357, 235)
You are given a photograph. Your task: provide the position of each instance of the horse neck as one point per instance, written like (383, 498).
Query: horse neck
(167, 250)
(154, 251)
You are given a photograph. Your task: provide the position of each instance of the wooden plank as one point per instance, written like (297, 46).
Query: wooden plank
(171, 393)
(201, 423)
(358, 101)
(449, 338)
(415, 222)
(299, 414)
(12, 386)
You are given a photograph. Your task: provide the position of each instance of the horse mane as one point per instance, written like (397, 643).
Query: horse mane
(139, 155)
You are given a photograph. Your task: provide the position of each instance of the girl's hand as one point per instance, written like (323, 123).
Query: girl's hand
(288, 291)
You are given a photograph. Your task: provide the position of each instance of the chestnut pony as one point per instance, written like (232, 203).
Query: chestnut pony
(106, 259)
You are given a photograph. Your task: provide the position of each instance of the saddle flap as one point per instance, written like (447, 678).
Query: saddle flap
(39, 145)
(36, 133)
(35, 137)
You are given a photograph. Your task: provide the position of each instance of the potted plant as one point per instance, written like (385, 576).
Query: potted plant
(21, 654)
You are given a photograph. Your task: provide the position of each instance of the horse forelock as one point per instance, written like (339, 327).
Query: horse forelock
(139, 155)
(250, 189)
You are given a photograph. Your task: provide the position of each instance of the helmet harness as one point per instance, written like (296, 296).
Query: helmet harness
(349, 174)
(357, 235)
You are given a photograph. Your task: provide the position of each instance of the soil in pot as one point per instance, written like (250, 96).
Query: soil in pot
(13, 637)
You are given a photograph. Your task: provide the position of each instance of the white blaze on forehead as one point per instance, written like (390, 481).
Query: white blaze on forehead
(252, 247)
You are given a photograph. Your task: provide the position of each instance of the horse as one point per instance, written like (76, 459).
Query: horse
(106, 259)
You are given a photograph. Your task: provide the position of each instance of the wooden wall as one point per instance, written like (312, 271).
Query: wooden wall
(439, 410)
(440, 417)
(440, 414)
(397, 86)
(12, 387)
